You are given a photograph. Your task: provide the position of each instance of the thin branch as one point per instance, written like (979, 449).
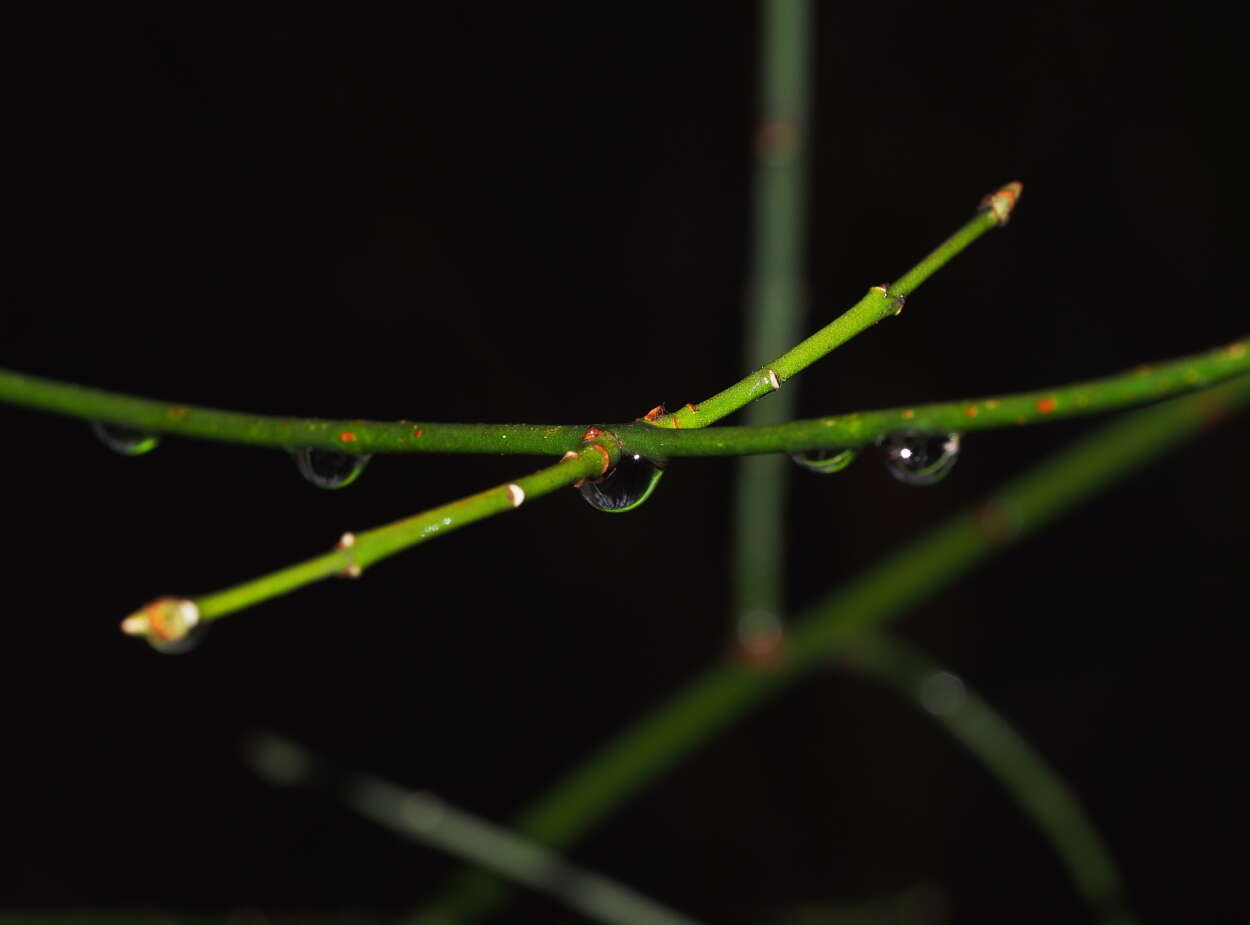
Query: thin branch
(880, 302)
(726, 692)
(1136, 387)
(360, 437)
(1036, 787)
(170, 619)
(344, 436)
(425, 818)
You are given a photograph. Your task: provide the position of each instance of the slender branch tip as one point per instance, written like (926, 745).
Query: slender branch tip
(1002, 201)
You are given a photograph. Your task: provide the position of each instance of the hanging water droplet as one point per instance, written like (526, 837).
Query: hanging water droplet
(825, 462)
(625, 487)
(920, 459)
(328, 468)
(125, 440)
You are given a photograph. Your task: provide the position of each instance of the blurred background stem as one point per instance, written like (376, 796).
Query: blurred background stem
(776, 301)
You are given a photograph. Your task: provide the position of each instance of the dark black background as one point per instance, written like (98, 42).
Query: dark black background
(541, 213)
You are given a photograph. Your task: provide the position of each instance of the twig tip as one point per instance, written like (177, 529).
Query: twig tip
(1002, 201)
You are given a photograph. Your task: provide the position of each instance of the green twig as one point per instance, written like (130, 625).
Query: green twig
(1136, 387)
(1144, 384)
(169, 619)
(424, 818)
(774, 312)
(726, 692)
(360, 436)
(344, 436)
(880, 302)
(1024, 774)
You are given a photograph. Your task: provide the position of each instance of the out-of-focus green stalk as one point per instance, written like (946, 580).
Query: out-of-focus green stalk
(775, 309)
(1039, 791)
(424, 818)
(726, 692)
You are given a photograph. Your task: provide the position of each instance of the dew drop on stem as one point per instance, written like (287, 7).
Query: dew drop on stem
(920, 459)
(125, 440)
(825, 462)
(625, 487)
(330, 469)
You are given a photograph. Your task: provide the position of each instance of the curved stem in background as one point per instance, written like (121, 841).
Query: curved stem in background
(726, 692)
(774, 314)
(424, 818)
(1042, 795)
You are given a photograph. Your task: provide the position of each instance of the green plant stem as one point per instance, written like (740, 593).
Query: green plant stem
(726, 692)
(350, 558)
(424, 818)
(1041, 794)
(1136, 387)
(345, 436)
(879, 302)
(1144, 384)
(774, 310)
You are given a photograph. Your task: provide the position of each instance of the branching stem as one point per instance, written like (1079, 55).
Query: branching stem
(724, 693)
(1136, 387)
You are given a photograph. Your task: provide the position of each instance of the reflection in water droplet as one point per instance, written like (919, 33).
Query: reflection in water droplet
(625, 487)
(329, 469)
(125, 440)
(920, 459)
(942, 693)
(825, 462)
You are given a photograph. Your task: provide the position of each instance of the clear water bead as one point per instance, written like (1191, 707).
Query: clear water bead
(920, 459)
(625, 487)
(328, 468)
(125, 440)
(825, 462)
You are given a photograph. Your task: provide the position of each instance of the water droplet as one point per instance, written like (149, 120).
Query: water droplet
(625, 487)
(125, 440)
(920, 459)
(825, 462)
(330, 469)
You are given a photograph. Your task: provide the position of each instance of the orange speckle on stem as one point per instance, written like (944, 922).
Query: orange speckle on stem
(970, 411)
(347, 436)
(694, 409)
(909, 413)
(177, 413)
(1046, 405)
(1237, 351)
(653, 413)
(417, 431)
(550, 430)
